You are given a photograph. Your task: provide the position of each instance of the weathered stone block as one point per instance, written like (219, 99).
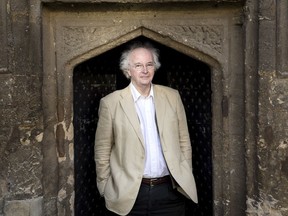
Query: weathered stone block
(6, 82)
(29, 207)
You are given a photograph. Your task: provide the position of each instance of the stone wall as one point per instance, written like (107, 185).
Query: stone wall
(22, 124)
(272, 144)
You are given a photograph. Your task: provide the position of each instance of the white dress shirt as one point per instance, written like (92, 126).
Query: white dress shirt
(155, 165)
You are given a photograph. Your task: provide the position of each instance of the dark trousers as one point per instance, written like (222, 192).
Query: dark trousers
(158, 200)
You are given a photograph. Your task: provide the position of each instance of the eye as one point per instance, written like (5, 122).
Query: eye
(138, 66)
(150, 65)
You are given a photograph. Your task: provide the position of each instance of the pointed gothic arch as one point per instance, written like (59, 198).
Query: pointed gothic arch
(67, 45)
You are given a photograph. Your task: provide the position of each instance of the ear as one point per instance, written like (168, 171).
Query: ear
(128, 72)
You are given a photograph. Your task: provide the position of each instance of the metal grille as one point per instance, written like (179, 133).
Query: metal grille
(99, 76)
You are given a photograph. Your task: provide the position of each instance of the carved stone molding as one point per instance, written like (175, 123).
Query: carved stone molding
(206, 37)
(77, 37)
(210, 36)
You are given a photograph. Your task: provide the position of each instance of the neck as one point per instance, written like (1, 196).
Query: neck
(143, 90)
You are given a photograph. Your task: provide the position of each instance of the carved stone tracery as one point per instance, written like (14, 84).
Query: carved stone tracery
(209, 36)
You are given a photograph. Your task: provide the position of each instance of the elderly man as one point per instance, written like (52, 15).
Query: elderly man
(142, 147)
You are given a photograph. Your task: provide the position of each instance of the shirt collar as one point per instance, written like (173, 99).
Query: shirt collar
(135, 93)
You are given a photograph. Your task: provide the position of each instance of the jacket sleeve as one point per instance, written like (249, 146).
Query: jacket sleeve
(184, 138)
(103, 145)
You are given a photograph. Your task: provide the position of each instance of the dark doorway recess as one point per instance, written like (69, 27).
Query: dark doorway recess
(99, 76)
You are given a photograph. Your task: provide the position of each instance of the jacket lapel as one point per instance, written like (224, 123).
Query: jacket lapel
(128, 106)
(160, 108)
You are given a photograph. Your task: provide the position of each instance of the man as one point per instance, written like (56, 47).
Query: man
(142, 147)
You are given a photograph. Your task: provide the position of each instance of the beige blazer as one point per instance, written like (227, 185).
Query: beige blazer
(119, 146)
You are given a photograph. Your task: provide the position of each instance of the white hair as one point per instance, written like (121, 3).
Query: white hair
(124, 60)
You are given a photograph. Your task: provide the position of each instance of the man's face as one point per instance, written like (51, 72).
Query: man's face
(141, 68)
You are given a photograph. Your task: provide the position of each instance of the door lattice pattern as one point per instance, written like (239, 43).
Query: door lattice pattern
(99, 76)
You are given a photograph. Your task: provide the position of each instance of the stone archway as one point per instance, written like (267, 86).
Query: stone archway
(75, 35)
(99, 76)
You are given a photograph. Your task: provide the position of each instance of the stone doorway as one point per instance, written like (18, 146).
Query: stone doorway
(99, 76)
(212, 36)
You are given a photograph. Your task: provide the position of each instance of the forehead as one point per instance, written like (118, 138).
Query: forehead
(140, 55)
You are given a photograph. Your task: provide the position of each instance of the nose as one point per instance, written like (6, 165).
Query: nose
(145, 69)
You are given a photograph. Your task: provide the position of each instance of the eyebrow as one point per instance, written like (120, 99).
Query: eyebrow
(145, 63)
